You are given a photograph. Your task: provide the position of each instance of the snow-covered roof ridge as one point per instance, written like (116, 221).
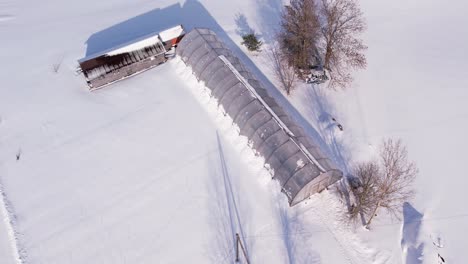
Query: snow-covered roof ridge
(120, 46)
(138, 43)
(171, 33)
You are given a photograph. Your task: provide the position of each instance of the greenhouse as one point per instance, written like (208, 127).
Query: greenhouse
(292, 158)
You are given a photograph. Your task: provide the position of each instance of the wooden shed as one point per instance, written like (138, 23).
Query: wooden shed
(130, 58)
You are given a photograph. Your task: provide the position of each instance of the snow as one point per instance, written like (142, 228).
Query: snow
(147, 41)
(413, 89)
(133, 45)
(9, 249)
(135, 172)
(299, 164)
(9, 222)
(171, 33)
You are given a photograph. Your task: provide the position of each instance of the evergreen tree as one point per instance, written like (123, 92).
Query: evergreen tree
(251, 42)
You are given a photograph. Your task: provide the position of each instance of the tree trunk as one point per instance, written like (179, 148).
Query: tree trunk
(373, 214)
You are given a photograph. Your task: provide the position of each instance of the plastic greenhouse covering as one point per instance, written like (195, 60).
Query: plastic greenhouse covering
(292, 158)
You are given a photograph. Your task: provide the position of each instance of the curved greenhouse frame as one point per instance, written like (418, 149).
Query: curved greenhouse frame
(292, 158)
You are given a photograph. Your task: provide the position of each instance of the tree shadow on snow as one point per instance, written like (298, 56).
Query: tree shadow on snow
(227, 216)
(410, 235)
(269, 13)
(242, 25)
(326, 134)
(222, 237)
(321, 108)
(294, 238)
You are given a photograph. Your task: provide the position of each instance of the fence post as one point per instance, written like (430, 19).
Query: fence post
(237, 247)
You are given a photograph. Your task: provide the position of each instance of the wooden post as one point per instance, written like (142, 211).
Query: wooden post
(239, 243)
(237, 247)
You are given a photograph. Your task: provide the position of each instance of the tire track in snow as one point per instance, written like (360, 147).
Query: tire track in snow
(4, 17)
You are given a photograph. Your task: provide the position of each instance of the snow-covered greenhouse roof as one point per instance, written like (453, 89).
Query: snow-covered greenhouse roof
(293, 158)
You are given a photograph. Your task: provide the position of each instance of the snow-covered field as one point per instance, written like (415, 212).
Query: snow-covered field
(415, 89)
(135, 172)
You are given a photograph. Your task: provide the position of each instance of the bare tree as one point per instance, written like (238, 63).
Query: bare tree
(364, 186)
(342, 49)
(398, 173)
(283, 71)
(385, 184)
(300, 31)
